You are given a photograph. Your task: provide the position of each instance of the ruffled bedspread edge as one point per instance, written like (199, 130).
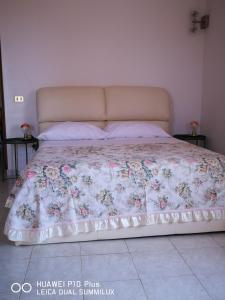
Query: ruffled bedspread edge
(39, 235)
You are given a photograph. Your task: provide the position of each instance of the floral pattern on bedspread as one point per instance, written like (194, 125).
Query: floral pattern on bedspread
(67, 190)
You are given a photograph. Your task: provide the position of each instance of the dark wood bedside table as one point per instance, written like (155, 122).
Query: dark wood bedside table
(188, 137)
(15, 142)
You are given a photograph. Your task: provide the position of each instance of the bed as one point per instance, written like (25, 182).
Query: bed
(114, 188)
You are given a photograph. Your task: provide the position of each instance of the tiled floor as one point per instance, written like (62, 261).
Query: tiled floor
(175, 267)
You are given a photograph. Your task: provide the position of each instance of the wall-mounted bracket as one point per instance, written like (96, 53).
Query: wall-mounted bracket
(203, 22)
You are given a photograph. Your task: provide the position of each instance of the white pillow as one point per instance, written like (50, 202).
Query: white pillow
(133, 129)
(72, 131)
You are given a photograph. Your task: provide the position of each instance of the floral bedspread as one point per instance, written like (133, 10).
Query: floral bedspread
(67, 190)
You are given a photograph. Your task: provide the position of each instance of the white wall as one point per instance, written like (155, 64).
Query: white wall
(213, 101)
(101, 42)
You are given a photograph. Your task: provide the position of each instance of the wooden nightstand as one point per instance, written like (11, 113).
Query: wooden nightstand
(196, 138)
(15, 142)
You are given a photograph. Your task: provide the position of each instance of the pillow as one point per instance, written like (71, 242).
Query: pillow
(72, 131)
(133, 129)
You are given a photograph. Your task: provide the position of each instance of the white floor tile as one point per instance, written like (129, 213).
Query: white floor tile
(54, 268)
(149, 244)
(219, 238)
(10, 296)
(8, 251)
(165, 264)
(171, 288)
(193, 241)
(11, 270)
(103, 247)
(123, 290)
(214, 284)
(109, 267)
(205, 261)
(54, 250)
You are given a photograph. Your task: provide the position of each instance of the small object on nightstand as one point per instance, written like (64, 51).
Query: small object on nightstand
(15, 142)
(189, 137)
(194, 126)
(26, 128)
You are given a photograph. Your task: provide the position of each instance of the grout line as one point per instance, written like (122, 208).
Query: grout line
(28, 264)
(81, 267)
(80, 255)
(217, 243)
(108, 253)
(192, 271)
(66, 256)
(26, 270)
(171, 242)
(105, 254)
(139, 278)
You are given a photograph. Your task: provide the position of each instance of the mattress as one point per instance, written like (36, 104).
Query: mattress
(73, 188)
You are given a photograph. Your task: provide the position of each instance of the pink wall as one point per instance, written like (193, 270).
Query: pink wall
(213, 101)
(99, 42)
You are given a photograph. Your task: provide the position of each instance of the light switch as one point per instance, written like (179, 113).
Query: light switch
(18, 98)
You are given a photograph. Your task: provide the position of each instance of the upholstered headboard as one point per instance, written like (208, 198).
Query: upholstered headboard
(99, 105)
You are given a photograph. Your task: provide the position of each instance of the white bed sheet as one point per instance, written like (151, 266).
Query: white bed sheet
(119, 141)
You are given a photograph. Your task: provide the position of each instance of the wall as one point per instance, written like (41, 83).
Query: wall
(213, 101)
(101, 42)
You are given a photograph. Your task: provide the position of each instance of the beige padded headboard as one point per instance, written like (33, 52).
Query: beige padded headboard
(99, 105)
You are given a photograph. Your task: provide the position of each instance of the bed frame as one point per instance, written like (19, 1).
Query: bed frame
(98, 105)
